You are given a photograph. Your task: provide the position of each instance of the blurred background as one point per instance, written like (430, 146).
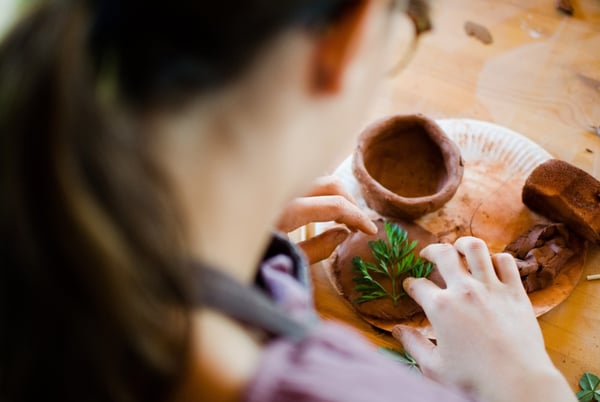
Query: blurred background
(9, 10)
(7, 13)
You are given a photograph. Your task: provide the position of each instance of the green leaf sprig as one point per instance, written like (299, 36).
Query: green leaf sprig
(403, 357)
(395, 260)
(590, 390)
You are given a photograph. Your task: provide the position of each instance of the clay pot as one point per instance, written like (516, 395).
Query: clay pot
(406, 166)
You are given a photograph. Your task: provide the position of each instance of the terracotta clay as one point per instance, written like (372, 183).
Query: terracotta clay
(564, 6)
(357, 245)
(478, 31)
(406, 166)
(567, 194)
(541, 253)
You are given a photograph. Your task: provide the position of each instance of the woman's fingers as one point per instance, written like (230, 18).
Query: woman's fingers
(506, 269)
(416, 344)
(448, 261)
(302, 211)
(421, 290)
(330, 185)
(320, 247)
(478, 258)
(327, 201)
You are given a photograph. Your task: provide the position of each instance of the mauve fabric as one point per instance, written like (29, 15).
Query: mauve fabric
(287, 292)
(333, 363)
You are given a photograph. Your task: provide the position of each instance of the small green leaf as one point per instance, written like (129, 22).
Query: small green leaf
(589, 388)
(373, 267)
(390, 232)
(408, 263)
(383, 267)
(403, 357)
(409, 249)
(402, 236)
(379, 250)
(428, 270)
(369, 297)
(589, 381)
(418, 270)
(585, 396)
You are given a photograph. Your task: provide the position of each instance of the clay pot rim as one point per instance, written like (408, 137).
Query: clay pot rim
(452, 160)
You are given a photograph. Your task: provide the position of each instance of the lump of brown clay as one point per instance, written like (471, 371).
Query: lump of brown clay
(564, 6)
(357, 245)
(478, 31)
(541, 252)
(566, 194)
(406, 166)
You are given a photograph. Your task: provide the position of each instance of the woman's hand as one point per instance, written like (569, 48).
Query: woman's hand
(327, 201)
(488, 340)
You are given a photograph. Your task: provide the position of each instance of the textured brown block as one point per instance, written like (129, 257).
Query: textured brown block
(567, 194)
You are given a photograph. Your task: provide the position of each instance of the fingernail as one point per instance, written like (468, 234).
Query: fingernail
(341, 235)
(397, 331)
(373, 227)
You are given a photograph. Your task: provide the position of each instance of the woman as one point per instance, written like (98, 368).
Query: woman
(148, 149)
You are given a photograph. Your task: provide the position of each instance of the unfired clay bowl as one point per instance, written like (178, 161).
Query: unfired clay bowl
(406, 166)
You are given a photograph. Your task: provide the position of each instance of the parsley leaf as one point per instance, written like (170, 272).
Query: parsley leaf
(395, 260)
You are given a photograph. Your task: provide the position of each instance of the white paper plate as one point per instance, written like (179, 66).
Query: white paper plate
(487, 204)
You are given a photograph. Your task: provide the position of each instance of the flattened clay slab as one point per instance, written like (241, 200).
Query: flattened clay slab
(357, 245)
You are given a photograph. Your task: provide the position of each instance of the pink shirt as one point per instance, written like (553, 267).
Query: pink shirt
(333, 363)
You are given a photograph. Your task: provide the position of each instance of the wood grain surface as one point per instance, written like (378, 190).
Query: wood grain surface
(539, 77)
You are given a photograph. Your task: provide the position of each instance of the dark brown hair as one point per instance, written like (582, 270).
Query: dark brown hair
(92, 297)
(88, 284)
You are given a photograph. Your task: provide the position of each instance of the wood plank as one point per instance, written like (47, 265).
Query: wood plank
(539, 77)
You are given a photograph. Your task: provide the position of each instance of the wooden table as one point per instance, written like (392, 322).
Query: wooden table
(539, 77)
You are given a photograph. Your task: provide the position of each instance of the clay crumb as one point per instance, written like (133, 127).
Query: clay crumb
(478, 31)
(594, 84)
(589, 151)
(564, 6)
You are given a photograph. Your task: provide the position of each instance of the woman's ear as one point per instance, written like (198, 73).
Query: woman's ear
(335, 47)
